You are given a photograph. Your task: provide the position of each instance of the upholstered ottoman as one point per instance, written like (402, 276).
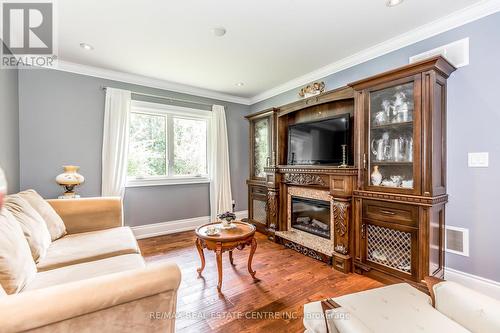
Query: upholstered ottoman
(402, 308)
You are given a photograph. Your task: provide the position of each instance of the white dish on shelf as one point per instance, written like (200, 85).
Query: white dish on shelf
(407, 184)
(379, 256)
(388, 183)
(405, 268)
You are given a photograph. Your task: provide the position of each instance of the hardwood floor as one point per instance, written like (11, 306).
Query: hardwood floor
(274, 303)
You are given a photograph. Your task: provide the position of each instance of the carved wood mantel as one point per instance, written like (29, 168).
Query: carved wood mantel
(340, 215)
(304, 179)
(338, 182)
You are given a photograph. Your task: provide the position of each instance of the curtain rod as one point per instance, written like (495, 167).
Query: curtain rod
(167, 98)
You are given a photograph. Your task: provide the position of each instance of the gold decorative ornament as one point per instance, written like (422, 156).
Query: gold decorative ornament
(312, 89)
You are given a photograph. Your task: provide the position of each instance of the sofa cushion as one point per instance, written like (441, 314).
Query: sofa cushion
(342, 321)
(17, 267)
(55, 224)
(397, 308)
(474, 311)
(86, 270)
(34, 227)
(89, 246)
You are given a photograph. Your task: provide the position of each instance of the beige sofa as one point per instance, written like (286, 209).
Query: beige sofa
(93, 279)
(399, 308)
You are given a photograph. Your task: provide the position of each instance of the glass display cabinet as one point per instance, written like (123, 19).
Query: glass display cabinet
(389, 232)
(393, 118)
(262, 143)
(399, 206)
(261, 146)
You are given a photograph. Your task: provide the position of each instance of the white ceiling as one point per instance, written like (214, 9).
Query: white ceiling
(267, 43)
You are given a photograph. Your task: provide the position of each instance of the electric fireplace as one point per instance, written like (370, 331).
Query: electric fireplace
(311, 216)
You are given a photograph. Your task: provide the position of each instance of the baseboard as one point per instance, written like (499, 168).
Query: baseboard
(242, 214)
(480, 284)
(171, 227)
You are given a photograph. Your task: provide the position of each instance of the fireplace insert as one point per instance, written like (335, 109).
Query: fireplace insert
(311, 216)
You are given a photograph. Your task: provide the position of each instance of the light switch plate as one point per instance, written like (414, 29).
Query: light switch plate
(478, 160)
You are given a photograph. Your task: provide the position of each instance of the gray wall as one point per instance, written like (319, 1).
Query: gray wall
(61, 122)
(473, 121)
(9, 127)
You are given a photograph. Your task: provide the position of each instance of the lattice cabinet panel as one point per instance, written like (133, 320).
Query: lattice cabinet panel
(389, 247)
(259, 211)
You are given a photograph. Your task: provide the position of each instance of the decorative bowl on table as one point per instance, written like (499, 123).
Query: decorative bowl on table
(227, 218)
(212, 230)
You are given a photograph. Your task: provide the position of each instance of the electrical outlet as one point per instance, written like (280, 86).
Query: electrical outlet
(478, 160)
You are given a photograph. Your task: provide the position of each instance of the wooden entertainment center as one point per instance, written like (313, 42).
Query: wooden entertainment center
(383, 214)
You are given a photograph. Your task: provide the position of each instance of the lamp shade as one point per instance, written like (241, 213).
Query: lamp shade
(70, 179)
(70, 176)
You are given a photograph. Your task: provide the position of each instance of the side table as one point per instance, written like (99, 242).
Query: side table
(241, 235)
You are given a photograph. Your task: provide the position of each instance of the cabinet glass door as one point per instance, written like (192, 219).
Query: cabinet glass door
(261, 146)
(391, 138)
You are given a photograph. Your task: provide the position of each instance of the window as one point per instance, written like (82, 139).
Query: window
(167, 145)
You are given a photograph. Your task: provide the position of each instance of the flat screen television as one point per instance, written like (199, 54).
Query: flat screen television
(319, 142)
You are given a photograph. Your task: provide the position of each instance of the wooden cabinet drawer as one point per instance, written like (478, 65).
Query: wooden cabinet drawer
(259, 190)
(391, 212)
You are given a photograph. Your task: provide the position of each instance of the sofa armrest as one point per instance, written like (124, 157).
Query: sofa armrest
(314, 318)
(471, 309)
(89, 214)
(36, 309)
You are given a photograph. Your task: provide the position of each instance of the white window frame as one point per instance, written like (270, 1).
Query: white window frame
(170, 111)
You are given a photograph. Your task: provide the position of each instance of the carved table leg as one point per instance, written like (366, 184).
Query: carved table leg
(218, 254)
(231, 257)
(252, 251)
(202, 256)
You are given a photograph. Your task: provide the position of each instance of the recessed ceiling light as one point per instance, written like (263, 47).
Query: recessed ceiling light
(86, 46)
(240, 84)
(393, 3)
(219, 31)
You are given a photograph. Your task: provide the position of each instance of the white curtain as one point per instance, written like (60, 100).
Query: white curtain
(3, 182)
(3, 187)
(115, 142)
(220, 183)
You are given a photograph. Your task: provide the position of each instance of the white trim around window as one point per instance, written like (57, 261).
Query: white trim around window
(171, 111)
(157, 181)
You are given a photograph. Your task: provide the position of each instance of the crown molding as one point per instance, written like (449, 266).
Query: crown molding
(141, 80)
(451, 21)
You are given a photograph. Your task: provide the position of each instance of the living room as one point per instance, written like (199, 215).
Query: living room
(249, 167)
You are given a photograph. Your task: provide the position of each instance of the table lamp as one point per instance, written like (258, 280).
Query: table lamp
(70, 179)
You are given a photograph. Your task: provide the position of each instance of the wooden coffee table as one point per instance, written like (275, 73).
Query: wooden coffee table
(226, 240)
